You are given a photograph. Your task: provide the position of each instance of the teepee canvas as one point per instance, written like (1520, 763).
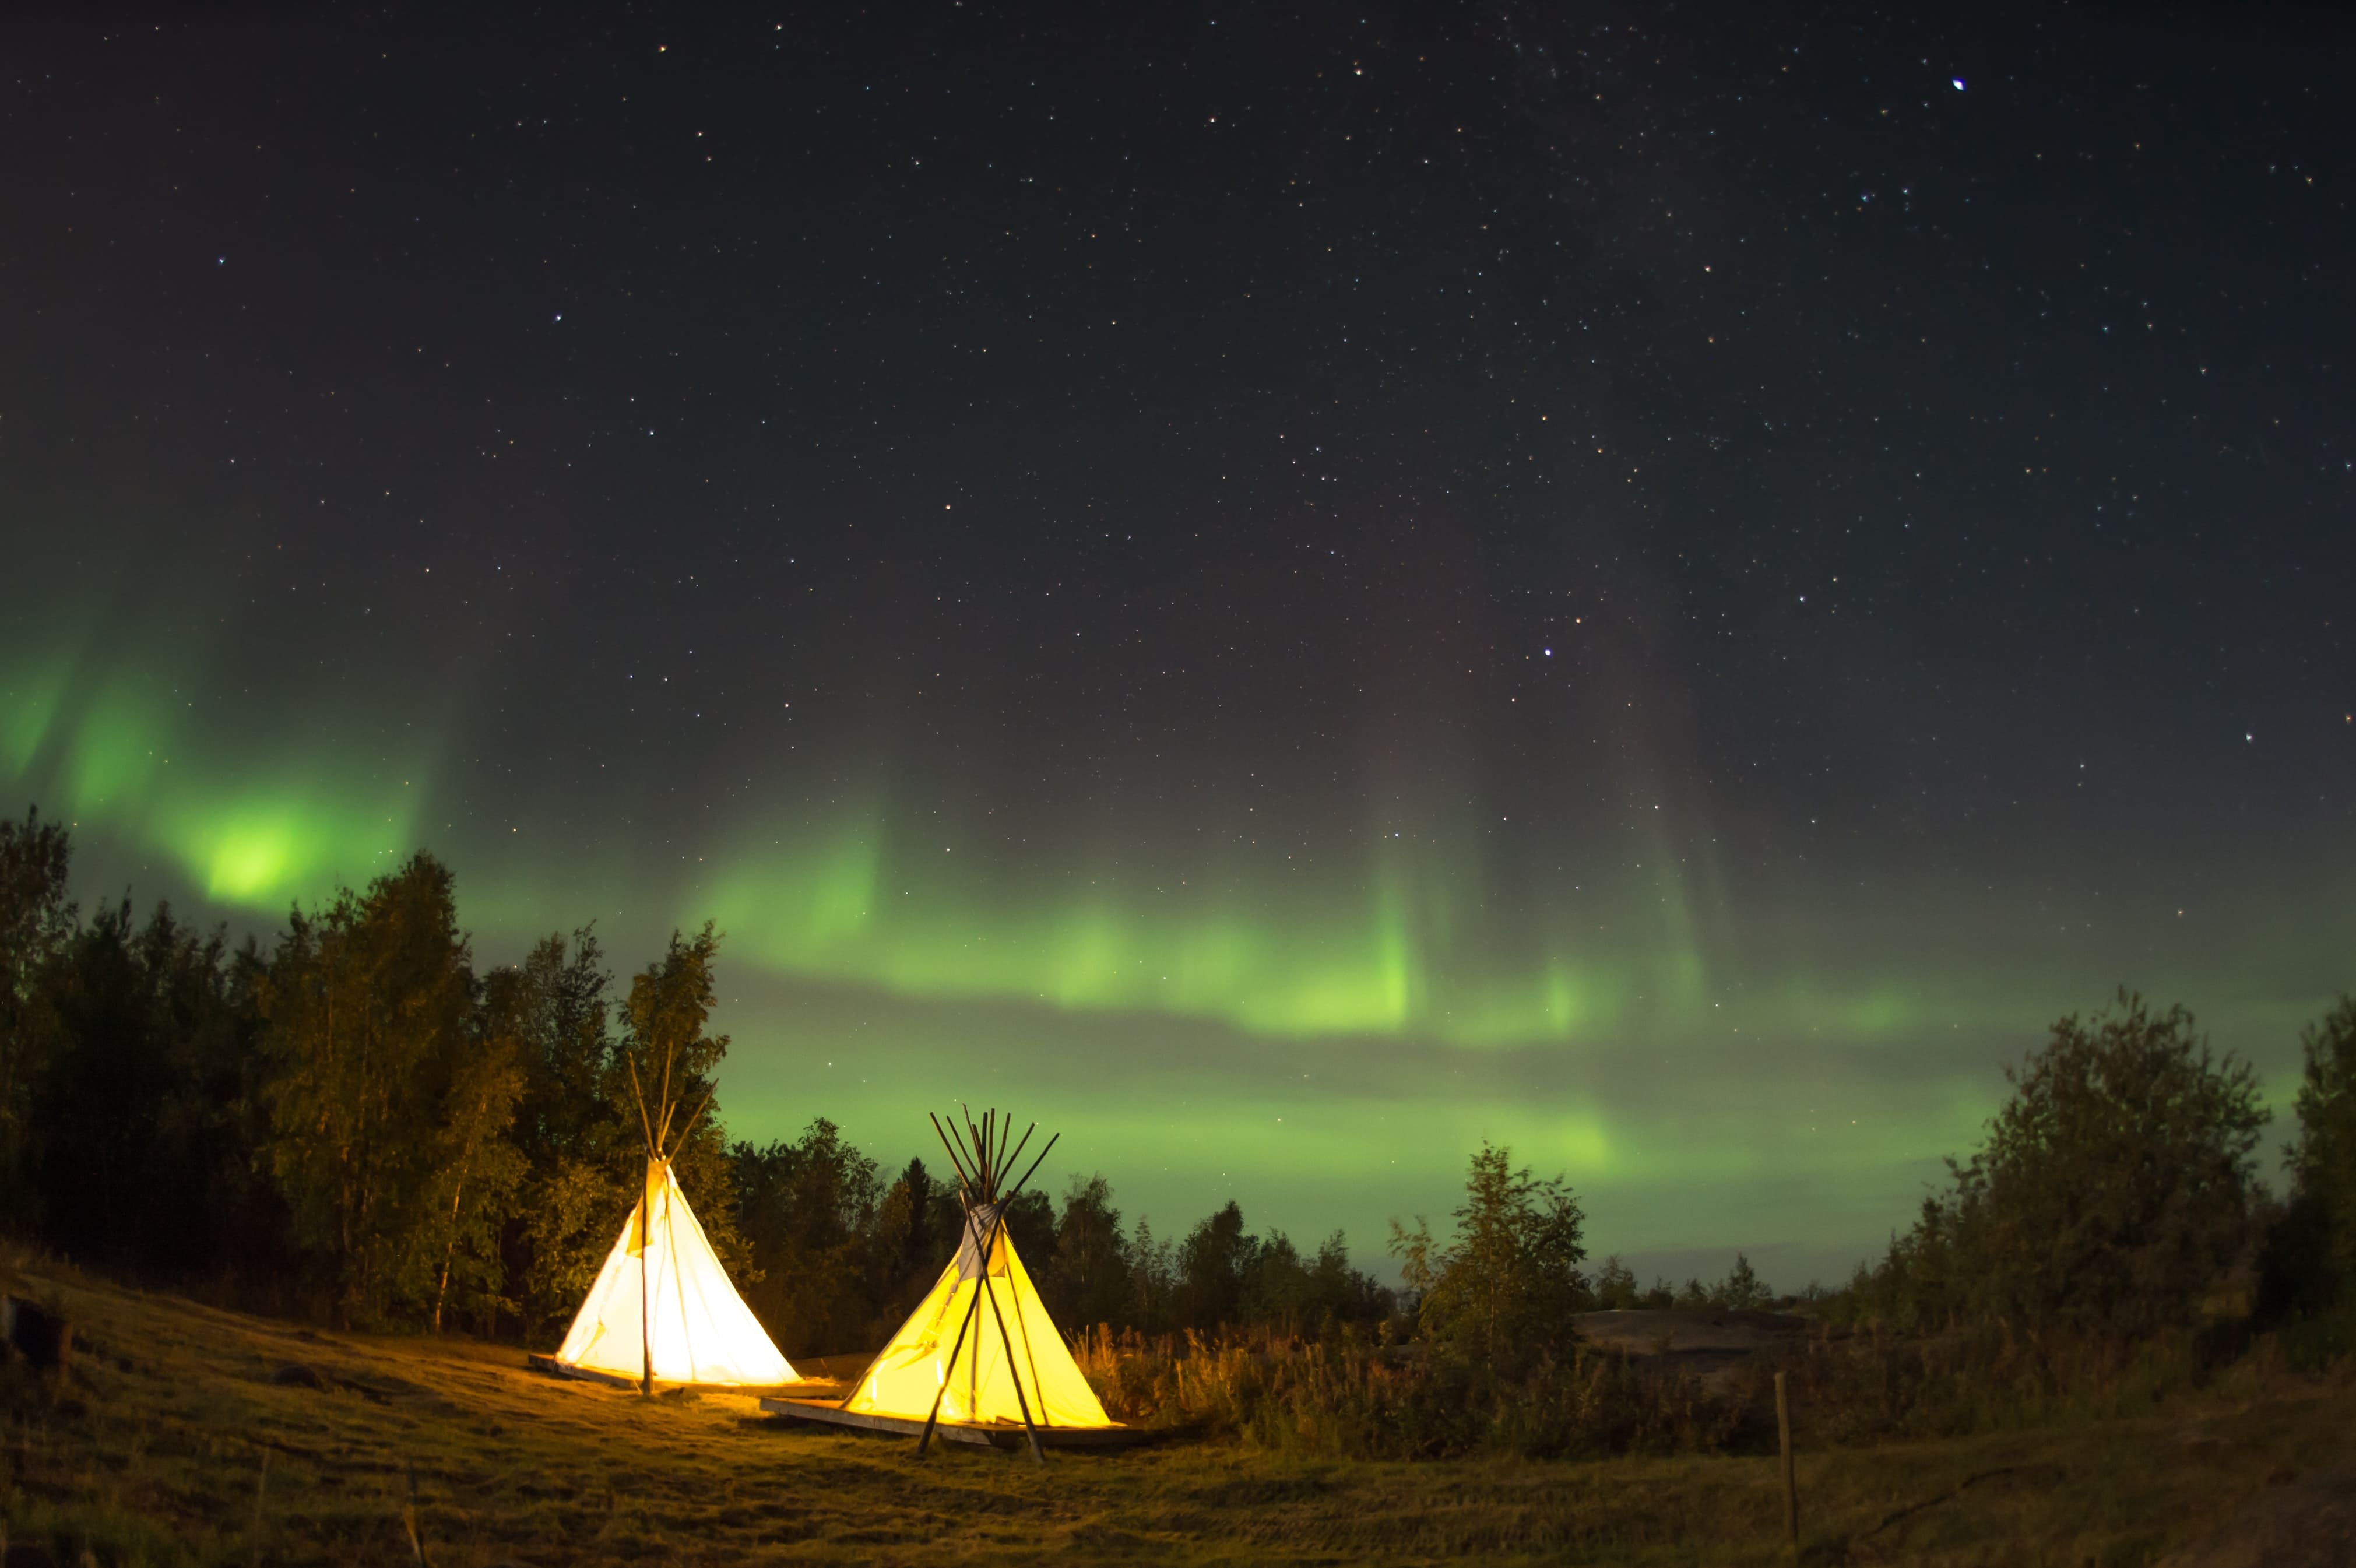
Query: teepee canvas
(980, 1348)
(662, 1309)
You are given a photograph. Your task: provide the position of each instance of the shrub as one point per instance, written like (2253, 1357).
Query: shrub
(2115, 1186)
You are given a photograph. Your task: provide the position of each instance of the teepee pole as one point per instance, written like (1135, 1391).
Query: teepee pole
(639, 1094)
(1015, 1158)
(955, 1164)
(645, 1302)
(670, 1053)
(1013, 1369)
(1034, 1166)
(688, 1127)
(933, 1419)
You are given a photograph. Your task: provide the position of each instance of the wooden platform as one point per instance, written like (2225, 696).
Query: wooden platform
(814, 1387)
(995, 1435)
(556, 1368)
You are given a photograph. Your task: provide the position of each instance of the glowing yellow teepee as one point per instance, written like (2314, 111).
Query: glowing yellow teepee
(663, 1309)
(981, 1347)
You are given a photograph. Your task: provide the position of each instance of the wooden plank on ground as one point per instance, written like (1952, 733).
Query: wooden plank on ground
(556, 1368)
(997, 1437)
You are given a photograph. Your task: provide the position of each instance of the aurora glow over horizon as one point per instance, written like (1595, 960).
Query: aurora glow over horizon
(1281, 596)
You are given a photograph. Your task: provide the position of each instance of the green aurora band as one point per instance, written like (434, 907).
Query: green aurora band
(1325, 1048)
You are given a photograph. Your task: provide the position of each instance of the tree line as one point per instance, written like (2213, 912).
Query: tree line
(354, 1121)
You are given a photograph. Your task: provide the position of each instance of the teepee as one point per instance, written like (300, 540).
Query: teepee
(663, 1308)
(981, 1349)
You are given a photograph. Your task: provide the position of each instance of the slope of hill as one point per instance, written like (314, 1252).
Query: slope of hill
(186, 1435)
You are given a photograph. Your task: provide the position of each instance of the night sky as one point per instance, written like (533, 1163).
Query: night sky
(1282, 592)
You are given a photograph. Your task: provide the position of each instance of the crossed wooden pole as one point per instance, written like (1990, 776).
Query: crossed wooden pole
(985, 1148)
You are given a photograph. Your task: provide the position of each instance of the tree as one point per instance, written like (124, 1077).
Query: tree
(1153, 1280)
(1212, 1264)
(142, 1149)
(1087, 1279)
(476, 1173)
(1742, 1290)
(2323, 1161)
(2114, 1186)
(1510, 1284)
(35, 921)
(1299, 1295)
(665, 1048)
(1030, 1220)
(368, 1013)
(556, 1004)
(808, 1209)
(1614, 1287)
(576, 1126)
(915, 1234)
(576, 1211)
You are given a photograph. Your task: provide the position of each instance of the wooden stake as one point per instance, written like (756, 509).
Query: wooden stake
(261, 1491)
(409, 1518)
(1791, 1485)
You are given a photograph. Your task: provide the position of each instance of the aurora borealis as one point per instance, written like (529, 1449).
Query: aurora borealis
(1283, 595)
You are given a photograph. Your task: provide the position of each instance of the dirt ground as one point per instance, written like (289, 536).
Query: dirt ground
(186, 1435)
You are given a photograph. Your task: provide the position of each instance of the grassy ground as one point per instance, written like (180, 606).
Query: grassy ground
(170, 1443)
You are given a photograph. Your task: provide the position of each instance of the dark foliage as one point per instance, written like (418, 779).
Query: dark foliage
(357, 1122)
(807, 1210)
(2308, 1270)
(2114, 1188)
(150, 1107)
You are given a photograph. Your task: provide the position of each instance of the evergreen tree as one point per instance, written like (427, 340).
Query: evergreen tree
(1742, 1290)
(1212, 1265)
(144, 1138)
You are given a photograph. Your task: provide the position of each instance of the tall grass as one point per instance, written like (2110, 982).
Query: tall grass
(1350, 1396)
(1355, 1396)
(1875, 1386)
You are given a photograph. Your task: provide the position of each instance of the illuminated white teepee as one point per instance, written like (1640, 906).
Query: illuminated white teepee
(663, 1308)
(662, 1290)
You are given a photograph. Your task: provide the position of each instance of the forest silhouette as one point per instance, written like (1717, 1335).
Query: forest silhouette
(351, 1124)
